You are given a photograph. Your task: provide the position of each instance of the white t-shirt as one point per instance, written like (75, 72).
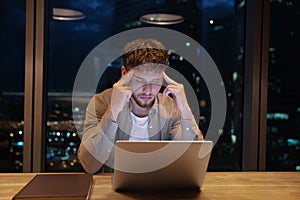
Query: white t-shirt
(139, 129)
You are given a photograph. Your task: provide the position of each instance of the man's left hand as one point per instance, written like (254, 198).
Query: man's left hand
(180, 100)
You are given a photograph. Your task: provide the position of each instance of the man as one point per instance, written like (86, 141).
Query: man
(134, 109)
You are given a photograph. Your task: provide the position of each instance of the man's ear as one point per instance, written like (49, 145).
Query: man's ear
(123, 70)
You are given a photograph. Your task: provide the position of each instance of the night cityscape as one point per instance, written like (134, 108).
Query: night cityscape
(62, 138)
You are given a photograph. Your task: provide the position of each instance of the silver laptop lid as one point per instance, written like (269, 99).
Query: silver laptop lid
(160, 164)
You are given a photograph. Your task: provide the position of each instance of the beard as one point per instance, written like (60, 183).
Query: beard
(141, 103)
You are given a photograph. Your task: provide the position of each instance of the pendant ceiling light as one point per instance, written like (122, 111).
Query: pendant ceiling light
(161, 19)
(67, 14)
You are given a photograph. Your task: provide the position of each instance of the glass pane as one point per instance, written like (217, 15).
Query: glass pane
(283, 114)
(217, 25)
(12, 47)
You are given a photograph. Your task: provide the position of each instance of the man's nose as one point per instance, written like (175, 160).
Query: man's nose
(147, 88)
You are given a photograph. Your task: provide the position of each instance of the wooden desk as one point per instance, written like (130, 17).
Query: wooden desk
(217, 185)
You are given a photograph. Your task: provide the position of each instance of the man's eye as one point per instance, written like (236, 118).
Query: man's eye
(139, 81)
(155, 82)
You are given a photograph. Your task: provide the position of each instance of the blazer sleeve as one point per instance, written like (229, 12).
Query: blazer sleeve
(99, 134)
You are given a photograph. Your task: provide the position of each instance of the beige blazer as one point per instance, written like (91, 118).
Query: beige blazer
(96, 147)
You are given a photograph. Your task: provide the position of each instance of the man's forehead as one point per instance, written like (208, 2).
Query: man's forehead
(149, 65)
(148, 74)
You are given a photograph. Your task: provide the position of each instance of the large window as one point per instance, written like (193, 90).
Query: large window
(283, 128)
(12, 59)
(217, 25)
(57, 46)
(74, 28)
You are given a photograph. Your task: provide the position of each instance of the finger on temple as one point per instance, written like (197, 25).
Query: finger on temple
(126, 78)
(168, 79)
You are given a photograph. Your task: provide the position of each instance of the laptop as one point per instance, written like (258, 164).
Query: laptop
(160, 165)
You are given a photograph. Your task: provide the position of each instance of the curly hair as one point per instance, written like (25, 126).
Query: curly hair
(143, 51)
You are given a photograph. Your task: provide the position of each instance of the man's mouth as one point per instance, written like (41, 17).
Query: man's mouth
(146, 97)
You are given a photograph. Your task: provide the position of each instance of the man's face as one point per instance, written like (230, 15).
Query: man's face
(145, 85)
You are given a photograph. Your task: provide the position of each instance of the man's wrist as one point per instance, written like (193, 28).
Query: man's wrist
(186, 114)
(113, 120)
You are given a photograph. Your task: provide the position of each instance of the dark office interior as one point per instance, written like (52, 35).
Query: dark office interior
(254, 44)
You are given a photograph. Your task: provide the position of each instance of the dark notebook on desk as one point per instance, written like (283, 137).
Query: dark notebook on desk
(57, 186)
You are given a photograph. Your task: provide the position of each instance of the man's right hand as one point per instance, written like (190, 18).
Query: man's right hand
(121, 94)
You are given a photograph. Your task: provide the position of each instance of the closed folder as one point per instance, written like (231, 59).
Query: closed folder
(57, 187)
